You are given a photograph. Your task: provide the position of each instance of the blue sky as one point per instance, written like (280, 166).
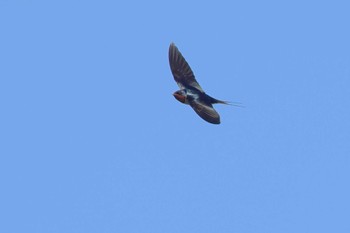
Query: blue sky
(92, 139)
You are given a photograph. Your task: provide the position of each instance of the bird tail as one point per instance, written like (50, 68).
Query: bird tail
(236, 104)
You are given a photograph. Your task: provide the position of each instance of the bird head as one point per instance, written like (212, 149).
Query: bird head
(180, 95)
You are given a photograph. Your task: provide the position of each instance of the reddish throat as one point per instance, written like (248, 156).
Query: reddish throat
(179, 97)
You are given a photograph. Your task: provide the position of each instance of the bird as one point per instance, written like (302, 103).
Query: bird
(191, 93)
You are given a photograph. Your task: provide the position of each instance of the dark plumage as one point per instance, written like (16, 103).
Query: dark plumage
(190, 91)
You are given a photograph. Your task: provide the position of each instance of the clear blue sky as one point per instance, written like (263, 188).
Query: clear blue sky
(92, 139)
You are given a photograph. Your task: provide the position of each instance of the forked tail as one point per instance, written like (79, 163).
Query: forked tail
(236, 104)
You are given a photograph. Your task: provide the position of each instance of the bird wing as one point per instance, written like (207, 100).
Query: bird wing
(182, 72)
(205, 111)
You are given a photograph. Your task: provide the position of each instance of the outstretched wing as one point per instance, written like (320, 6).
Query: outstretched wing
(182, 72)
(205, 111)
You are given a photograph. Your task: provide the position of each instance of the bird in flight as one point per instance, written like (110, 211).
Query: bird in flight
(190, 91)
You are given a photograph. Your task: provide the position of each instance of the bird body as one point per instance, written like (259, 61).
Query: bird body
(190, 91)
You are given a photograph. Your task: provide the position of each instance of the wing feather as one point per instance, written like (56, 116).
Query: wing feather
(205, 111)
(180, 69)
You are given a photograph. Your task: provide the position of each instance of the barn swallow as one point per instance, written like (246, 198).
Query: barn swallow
(190, 91)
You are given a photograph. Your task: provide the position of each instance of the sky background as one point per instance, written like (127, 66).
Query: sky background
(92, 139)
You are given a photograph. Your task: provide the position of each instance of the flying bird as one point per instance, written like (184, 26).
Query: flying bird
(190, 91)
